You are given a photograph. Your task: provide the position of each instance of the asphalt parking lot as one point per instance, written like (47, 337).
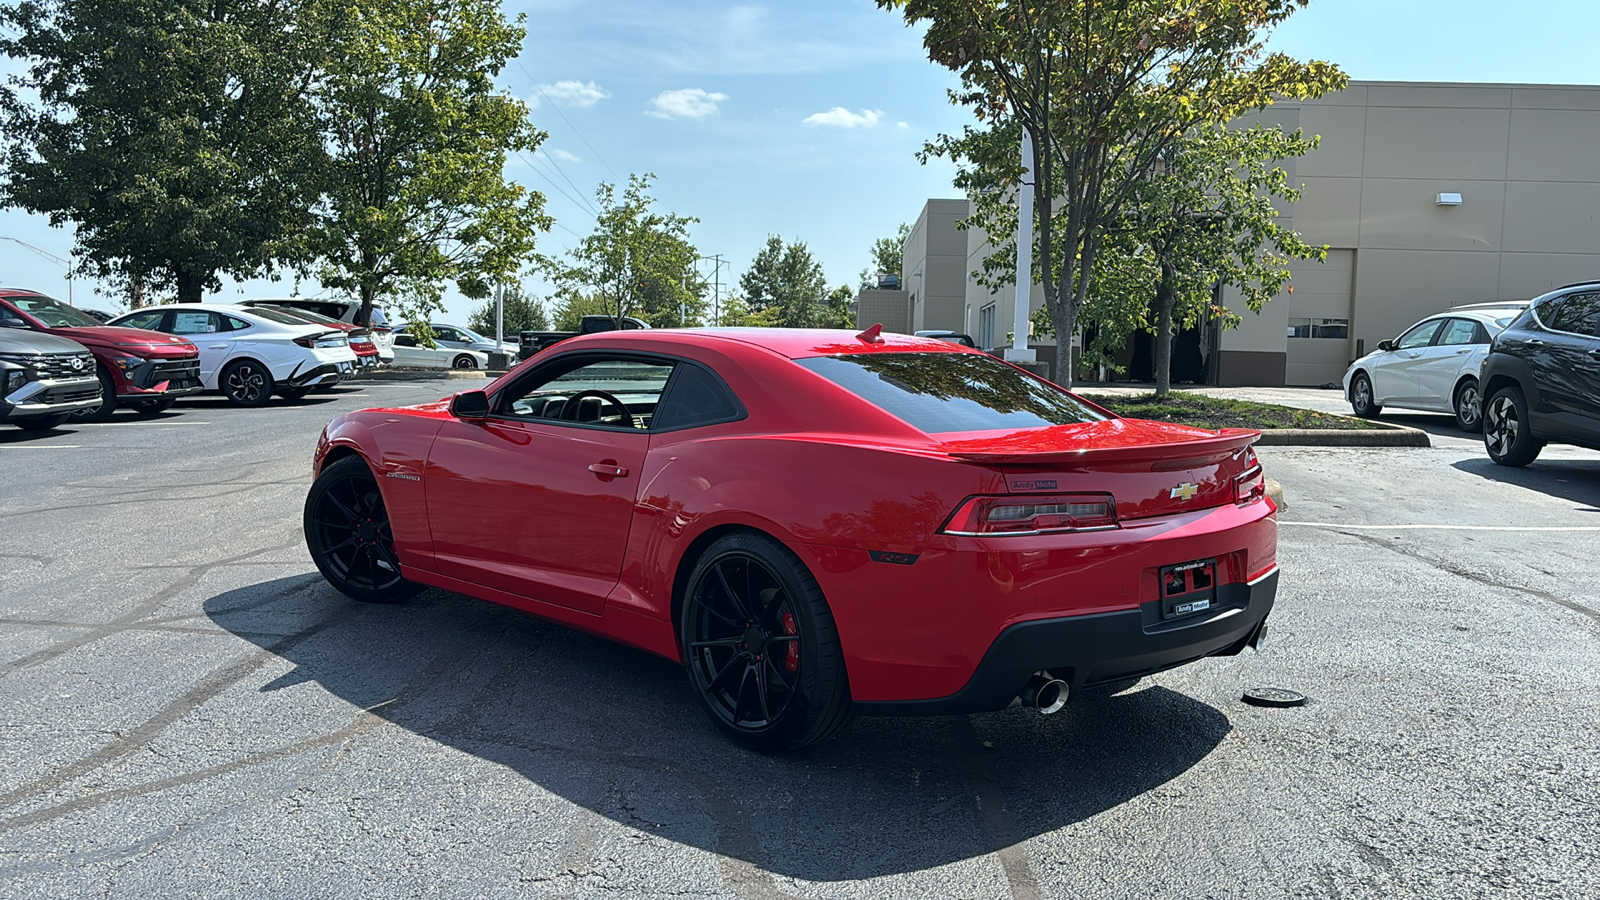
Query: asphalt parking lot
(186, 709)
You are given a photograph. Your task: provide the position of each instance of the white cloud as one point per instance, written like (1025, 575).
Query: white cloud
(685, 103)
(568, 93)
(902, 124)
(839, 117)
(564, 156)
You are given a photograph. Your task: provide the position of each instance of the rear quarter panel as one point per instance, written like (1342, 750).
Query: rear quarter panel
(395, 444)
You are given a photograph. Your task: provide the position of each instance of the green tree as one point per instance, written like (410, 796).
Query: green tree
(573, 305)
(838, 308)
(1101, 91)
(418, 136)
(177, 137)
(519, 313)
(888, 254)
(638, 260)
(784, 285)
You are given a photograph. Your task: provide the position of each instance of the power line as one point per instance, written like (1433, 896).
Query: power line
(567, 120)
(563, 174)
(559, 189)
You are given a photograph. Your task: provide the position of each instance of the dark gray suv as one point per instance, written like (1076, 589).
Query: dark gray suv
(44, 379)
(1542, 377)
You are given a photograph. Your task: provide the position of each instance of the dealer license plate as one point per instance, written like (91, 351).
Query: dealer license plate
(1188, 588)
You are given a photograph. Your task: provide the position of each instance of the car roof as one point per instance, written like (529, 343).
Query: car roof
(794, 343)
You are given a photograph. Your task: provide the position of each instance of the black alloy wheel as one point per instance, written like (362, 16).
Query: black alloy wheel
(1506, 434)
(247, 383)
(1469, 407)
(761, 647)
(349, 536)
(1361, 397)
(464, 362)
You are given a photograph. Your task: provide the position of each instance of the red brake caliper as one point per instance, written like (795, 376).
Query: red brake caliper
(791, 657)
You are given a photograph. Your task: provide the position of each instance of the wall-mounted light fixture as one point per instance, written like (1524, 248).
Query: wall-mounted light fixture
(1447, 200)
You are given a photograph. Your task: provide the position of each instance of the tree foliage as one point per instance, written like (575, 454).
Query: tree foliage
(418, 136)
(178, 137)
(637, 261)
(1102, 91)
(785, 286)
(519, 313)
(888, 255)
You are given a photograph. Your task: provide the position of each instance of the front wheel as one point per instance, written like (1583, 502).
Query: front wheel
(1469, 407)
(1361, 399)
(153, 407)
(247, 383)
(761, 646)
(464, 362)
(108, 401)
(348, 534)
(1506, 434)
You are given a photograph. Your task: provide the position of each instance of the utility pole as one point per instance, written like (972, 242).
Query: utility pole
(716, 286)
(1019, 351)
(499, 314)
(65, 263)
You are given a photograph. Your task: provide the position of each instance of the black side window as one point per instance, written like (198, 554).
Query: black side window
(1575, 313)
(1420, 336)
(147, 320)
(695, 397)
(1460, 331)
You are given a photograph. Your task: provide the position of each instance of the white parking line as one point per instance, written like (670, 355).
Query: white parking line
(40, 446)
(1424, 527)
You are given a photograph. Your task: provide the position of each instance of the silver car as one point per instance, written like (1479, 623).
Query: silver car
(457, 337)
(1433, 366)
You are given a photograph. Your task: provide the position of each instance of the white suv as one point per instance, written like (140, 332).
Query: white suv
(347, 311)
(249, 354)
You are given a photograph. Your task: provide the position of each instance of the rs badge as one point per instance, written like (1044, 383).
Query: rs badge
(1185, 491)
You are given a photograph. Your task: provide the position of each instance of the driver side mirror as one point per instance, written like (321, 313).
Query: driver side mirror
(470, 405)
(1386, 345)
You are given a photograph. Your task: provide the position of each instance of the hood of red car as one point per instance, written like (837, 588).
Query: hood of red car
(118, 336)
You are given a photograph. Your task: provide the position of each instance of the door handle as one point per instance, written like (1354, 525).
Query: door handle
(608, 469)
(217, 347)
(1534, 342)
(1595, 352)
(1463, 352)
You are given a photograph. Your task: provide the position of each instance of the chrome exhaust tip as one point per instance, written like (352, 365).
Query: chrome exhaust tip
(1047, 695)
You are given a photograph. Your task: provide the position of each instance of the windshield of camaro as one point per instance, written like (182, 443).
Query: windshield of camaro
(54, 313)
(946, 392)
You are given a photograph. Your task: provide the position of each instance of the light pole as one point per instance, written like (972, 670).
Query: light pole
(64, 263)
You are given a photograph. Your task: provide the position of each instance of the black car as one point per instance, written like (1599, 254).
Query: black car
(1542, 377)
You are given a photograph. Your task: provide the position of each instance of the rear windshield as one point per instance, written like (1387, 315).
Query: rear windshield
(272, 315)
(945, 392)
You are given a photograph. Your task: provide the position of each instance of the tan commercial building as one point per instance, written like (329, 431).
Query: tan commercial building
(1428, 195)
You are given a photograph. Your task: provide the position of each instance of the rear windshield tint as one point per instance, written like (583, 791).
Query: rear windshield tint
(945, 392)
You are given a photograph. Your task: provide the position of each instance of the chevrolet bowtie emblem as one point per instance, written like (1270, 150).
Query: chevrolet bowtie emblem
(1185, 491)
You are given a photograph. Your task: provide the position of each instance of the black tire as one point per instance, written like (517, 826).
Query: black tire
(347, 531)
(747, 595)
(42, 423)
(153, 407)
(1361, 397)
(1468, 404)
(298, 393)
(464, 362)
(1506, 432)
(108, 401)
(246, 382)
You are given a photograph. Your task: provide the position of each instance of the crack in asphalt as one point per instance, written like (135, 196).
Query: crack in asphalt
(137, 614)
(994, 814)
(138, 626)
(1480, 578)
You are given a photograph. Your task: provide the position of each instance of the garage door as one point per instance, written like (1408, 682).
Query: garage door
(1319, 320)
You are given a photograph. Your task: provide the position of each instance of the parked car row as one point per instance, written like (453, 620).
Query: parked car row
(1523, 373)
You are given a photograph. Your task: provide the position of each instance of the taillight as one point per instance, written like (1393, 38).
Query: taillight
(325, 341)
(1028, 514)
(1249, 487)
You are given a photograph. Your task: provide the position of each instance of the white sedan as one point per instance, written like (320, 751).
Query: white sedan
(407, 352)
(1433, 366)
(249, 353)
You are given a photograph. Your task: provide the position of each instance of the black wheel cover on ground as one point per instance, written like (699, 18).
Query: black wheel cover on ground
(761, 646)
(348, 534)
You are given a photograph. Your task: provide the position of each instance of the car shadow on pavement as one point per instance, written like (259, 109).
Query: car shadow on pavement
(617, 731)
(1576, 481)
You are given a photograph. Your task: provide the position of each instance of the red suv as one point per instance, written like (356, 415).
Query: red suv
(144, 370)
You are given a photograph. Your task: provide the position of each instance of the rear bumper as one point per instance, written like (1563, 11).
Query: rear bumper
(327, 373)
(1096, 649)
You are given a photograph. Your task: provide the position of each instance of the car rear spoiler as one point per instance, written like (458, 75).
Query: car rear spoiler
(1025, 449)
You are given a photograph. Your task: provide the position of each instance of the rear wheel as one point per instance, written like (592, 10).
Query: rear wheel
(246, 383)
(1506, 434)
(1469, 407)
(42, 423)
(1361, 399)
(348, 534)
(464, 362)
(761, 646)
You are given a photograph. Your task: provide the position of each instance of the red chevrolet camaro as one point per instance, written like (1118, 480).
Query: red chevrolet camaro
(816, 523)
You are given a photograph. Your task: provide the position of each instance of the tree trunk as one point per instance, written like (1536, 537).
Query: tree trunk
(1166, 298)
(368, 294)
(190, 285)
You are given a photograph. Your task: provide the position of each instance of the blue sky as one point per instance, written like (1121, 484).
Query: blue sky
(803, 119)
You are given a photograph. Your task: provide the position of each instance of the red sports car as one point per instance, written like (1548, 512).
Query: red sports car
(816, 523)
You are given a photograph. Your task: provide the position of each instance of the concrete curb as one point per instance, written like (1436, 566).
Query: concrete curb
(1379, 436)
(417, 375)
